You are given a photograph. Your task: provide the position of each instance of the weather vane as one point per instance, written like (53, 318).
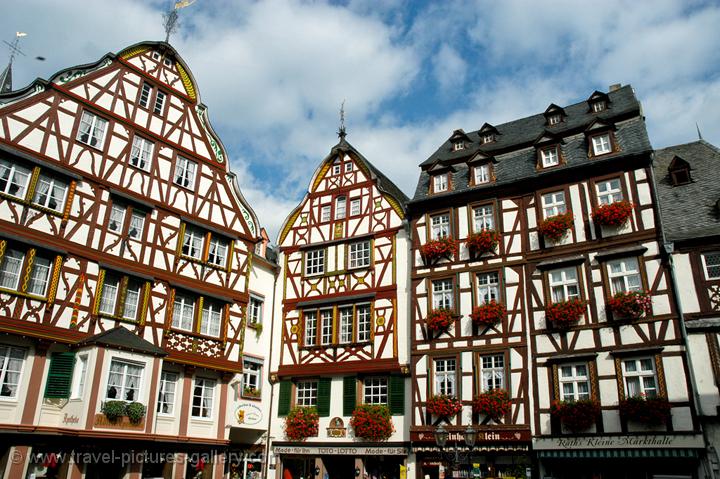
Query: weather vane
(170, 18)
(6, 75)
(341, 132)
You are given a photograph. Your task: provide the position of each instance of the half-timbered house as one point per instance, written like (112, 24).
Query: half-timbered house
(540, 300)
(340, 335)
(127, 281)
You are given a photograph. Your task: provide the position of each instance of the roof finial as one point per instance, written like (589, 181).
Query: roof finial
(698, 130)
(341, 132)
(170, 18)
(6, 75)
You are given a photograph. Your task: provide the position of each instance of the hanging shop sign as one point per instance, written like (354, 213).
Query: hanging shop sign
(248, 414)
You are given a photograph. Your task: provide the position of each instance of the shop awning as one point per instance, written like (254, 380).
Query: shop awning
(618, 453)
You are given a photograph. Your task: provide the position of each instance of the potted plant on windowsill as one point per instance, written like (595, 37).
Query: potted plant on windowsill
(439, 320)
(301, 423)
(135, 412)
(113, 410)
(488, 314)
(494, 403)
(630, 304)
(613, 214)
(434, 250)
(483, 242)
(372, 422)
(556, 227)
(251, 392)
(563, 314)
(578, 415)
(651, 411)
(444, 406)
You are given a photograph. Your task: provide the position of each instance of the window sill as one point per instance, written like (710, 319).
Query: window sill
(251, 398)
(190, 189)
(117, 318)
(8, 400)
(94, 147)
(24, 295)
(337, 345)
(203, 420)
(202, 263)
(193, 334)
(30, 204)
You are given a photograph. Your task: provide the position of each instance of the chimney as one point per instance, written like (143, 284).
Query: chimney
(615, 86)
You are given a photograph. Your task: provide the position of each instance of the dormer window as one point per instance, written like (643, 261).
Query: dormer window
(440, 183)
(554, 119)
(549, 157)
(599, 106)
(679, 170)
(481, 174)
(601, 144)
(487, 138)
(458, 145)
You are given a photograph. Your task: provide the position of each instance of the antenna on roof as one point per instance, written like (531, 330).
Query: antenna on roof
(6, 75)
(341, 132)
(170, 18)
(698, 130)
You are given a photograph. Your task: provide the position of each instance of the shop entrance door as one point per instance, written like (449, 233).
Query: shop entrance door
(339, 467)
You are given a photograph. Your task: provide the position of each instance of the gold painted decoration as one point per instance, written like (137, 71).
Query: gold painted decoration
(187, 82)
(321, 175)
(145, 302)
(98, 292)
(295, 329)
(198, 314)
(303, 219)
(28, 269)
(231, 250)
(181, 238)
(339, 227)
(132, 52)
(76, 304)
(380, 321)
(52, 291)
(68, 202)
(169, 309)
(288, 226)
(3, 246)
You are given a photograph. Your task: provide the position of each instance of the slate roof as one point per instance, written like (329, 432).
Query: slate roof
(689, 211)
(122, 338)
(514, 155)
(6, 79)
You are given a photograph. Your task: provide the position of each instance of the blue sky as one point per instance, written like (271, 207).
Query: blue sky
(274, 73)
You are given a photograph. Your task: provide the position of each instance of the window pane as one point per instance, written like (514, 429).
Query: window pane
(39, 276)
(10, 269)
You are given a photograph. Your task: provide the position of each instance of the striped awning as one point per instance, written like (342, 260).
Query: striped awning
(617, 453)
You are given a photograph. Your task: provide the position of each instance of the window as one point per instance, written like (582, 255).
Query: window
(167, 62)
(348, 167)
(601, 144)
(483, 218)
(116, 223)
(120, 296)
(624, 275)
(166, 397)
(554, 119)
(445, 371)
(346, 325)
(117, 217)
(550, 157)
(211, 321)
(711, 261)
(375, 390)
(481, 174)
(564, 284)
(598, 106)
(314, 262)
(92, 129)
(639, 377)
(11, 364)
(340, 208)
(141, 153)
(363, 322)
(325, 213)
(439, 226)
(680, 176)
(124, 381)
(203, 395)
(359, 254)
(553, 204)
(159, 103)
(183, 310)
(326, 326)
(442, 294)
(574, 382)
(487, 138)
(18, 262)
(354, 207)
(78, 376)
(251, 377)
(217, 254)
(185, 172)
(192, 242)
(14, 179)
(458, 145)
(50, 193)
(193, 246)
(336, 169)
(492, 372)
(145, 95)
(306, 393)
(349, 317)
(185, 314)
(608, 191)
(255, 308)
(310, 318)
(488, 287)
(440, 183)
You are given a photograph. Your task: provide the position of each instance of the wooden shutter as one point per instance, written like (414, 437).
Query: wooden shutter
(349, 394)
(59, 379)
(323, 397)
(397, 395)
(284, 398)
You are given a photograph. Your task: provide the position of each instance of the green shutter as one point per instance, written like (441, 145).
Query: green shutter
(397, 395)
(59, 379)
(349, 394)
(284, 398)
(323, 397)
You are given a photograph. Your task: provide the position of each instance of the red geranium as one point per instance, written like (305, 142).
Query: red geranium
(488, 314)
(651, 411)
(440, 319)
(301, 423)
(613, 214)
(438, 248)
(372, 422)
(483, 242)
(555, 227)
(576, 415)
(631, 304)
(564, 313)
(444, 406)
(494, 403)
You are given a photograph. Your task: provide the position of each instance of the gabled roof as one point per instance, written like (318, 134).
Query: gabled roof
(598, 96)
(599, 125)
(480, 157)
(439, 168)
(459, 135)
(488, 128)
(553, 109)
(548, 137)
(678, 163)
(123, 339)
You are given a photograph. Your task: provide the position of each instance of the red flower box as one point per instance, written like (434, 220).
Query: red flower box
(372, 422)
(440, 319)
(576, 415)
(301, 423)
(494, 403)
(555, 227)
(613, 214)
(488, 314)
(631, 304)
(444, 406)
(651, 411)
(438, 248)
(483, 242)
(564, 313)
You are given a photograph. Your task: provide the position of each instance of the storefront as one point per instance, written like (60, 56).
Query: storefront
(619, 457)
(339, 461)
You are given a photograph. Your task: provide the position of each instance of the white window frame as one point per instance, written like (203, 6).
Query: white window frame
(117, 217)
(364, 322)
(218, 251)
(92, 130)
(440, 183)
(255, 309)
(554, 119)
(440, 226)
(624, 275)
(40, 276)
(336, 169)
(11, 175)
(564, 284)
(185, 172)
(211, 319)
(193, 242)
(167, 392)
(355, 207)
(553, 204)
(712, 267)
(56, 192)
(550, 156)
(346, 318)
(141, 153)
(601, 144)
(7, 393)
(123, 387)
(492, 372)
(488, 284)
(445, 374)
(598, 106)
(376, 390)
(159, 105)
(483, 218)
(458, 145)
(306, 393)
(77, 388)
(15, 272)
(442, 294)
(487, 138)
(348, 167)
(340, 207)
(571, 375)
(359, 254)
(609, 191)
(137, 224)
(315, 262)
(310, 327)
(325, 213)
(326, 327)
(40, 271)
(206, 398)
(637, 376)
(182, 305)
(481, 174)
(145, 92)
(252, 374)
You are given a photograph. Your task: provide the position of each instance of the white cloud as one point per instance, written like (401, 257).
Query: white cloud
(449, 68)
